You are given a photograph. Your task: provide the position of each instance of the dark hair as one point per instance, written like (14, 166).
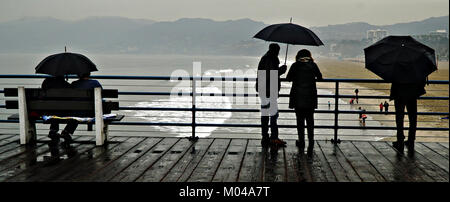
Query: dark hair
(273, 49)
(303, 53)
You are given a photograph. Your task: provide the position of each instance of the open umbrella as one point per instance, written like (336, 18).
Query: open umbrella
(289, 33)
(400, 59)
(65, 63)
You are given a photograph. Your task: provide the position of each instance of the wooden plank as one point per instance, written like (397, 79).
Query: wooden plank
(207, 167)
(253, 164)
(432, 156)
(410, 168)
(432, 170)
(274, 167)
(157, 172)
(291, 154)
(228, 170)
(343, 170)
(445, 144)
(44, 169)
(30, 159)
(9, 143)
(88, 167)
(189, 161)
(438, 148)
(123, 162)
(13, 149)
(389, 171)
(321, 170)
(2, 137)
(359, 163)
(137, 168)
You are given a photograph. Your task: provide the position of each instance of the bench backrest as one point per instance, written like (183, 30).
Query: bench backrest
(62, 102)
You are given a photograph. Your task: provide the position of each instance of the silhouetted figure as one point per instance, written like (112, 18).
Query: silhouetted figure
(405, 95)
(381, 107)
(386, 107)
(356, 95)
(329, 104)
(83, 83)
(51, 83)
(362, 117)
(267, 63)
(303, 96)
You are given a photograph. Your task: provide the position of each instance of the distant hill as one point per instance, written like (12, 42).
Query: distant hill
(183, 36)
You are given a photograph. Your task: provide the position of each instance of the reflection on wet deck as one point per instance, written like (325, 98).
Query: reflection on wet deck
(153, 159)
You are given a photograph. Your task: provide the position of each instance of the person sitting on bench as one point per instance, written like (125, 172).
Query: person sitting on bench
(82, 83)
(56, 82)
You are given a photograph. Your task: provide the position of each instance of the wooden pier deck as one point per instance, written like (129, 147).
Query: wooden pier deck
(150, 159)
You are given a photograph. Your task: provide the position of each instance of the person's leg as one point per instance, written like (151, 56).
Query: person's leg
(300, 128)
(265, 126)
(53, 134)
(411, 106)
(399, 117)
(310, 128)
(274, 127)
(69, 130)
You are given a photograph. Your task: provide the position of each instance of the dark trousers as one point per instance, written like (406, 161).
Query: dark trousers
(70, 127)
(411, 106)
(302, 116)
(273, 126)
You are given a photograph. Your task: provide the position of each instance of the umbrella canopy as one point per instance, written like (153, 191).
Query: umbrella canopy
(289, 33)
(400, 59)
(66, 63)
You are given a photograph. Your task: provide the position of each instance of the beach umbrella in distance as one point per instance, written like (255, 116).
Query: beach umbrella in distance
(65, 63)
(289, 33)
(400, 59)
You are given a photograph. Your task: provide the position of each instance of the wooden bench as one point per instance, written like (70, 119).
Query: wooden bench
(33, 103)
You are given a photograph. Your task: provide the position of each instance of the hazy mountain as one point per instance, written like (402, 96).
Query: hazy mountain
(183, 36)
(358, 30)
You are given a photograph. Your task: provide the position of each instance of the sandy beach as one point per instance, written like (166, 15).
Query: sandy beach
(351, 69)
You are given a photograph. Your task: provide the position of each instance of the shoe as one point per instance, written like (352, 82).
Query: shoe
(300, 144)
(409, 145)
(277, 142)
(54, 137)
(399, 146)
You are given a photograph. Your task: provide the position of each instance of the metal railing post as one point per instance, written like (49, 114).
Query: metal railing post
(335, 140)
(194, 92)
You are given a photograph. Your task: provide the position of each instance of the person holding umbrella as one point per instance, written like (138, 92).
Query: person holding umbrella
(287, 33)
(268, 64)
(303, 96)
(405, 63)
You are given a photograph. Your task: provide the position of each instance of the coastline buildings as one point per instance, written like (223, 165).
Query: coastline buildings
(376, 35)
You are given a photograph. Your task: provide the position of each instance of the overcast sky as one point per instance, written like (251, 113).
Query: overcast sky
(305, 12)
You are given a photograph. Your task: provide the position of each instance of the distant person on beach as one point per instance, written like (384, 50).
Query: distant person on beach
(303, 96)
(352, 101)
(329, 104)
(269, 105)
(356, 95)
(381, 107)
(405, 95)
(386, 107)
(52, 83)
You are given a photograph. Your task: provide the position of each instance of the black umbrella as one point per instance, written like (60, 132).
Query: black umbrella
(65, 63)
(289, 33)
(400, 59)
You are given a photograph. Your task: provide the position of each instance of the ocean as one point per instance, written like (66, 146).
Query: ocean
(167, 65)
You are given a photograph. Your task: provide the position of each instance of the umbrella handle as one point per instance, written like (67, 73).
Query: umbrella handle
(285, 58)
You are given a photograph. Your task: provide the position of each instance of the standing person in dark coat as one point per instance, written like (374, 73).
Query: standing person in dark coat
(269, 107)
(405, 95)
(49, 83)
(356, 95)
(303, 96)
(386, 107)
